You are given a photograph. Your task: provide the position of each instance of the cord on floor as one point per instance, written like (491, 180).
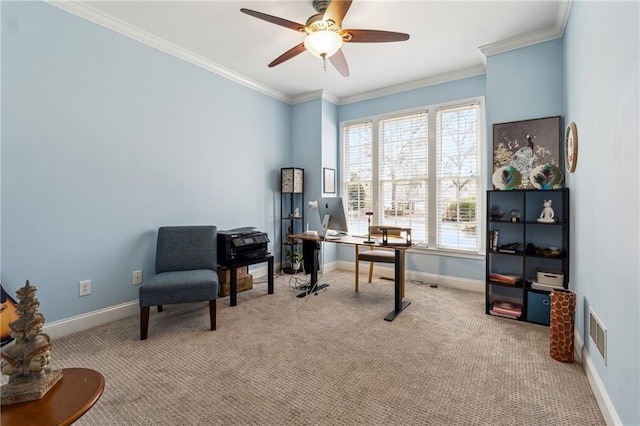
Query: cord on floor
(420, 282)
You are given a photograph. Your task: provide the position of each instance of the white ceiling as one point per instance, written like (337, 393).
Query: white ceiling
(448, 39)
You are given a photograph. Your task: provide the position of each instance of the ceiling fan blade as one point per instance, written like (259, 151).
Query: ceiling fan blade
(336, 11)
(373, 36)
(340, 63)
(294, 51)
(274, 20)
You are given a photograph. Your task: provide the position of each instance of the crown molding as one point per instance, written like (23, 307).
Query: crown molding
(548, 34)
(416, 84)
(85, 11)
(563, 16)
(520, 41)
(97, 17)
(299, 99)
(316, 94)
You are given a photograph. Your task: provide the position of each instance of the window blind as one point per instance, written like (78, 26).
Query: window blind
(458, 177)
(358, 175)
(419, 169)
(403, 173)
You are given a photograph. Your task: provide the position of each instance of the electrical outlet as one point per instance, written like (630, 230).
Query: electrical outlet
(137, 277)
(84, 288)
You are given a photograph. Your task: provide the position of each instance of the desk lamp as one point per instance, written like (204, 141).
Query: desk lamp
(313, 205)
(369, 240)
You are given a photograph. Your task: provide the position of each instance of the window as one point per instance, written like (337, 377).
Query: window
(419, 169)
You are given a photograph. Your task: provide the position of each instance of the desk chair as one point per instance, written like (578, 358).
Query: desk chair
(186, 271)
(380, 255)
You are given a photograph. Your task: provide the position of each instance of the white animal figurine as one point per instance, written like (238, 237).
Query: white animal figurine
(547, 214)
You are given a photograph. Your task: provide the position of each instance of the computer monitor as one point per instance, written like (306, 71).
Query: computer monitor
(332, 215)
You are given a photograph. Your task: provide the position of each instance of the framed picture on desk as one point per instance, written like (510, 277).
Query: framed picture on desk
(329, 181)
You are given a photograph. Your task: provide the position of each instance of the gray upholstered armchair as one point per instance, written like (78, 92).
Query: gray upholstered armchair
(186, 263)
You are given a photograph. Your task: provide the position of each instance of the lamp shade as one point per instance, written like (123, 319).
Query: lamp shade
(323, 43)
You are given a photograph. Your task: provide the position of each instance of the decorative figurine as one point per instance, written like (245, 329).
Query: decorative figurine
(496, 212)
(26, 362)
(547, 215)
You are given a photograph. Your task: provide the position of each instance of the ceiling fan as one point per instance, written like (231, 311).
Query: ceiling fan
(325, 34)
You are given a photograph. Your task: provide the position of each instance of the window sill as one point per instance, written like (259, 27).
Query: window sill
(423, 249)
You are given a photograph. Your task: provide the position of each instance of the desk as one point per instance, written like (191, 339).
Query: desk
(233, 278)
(399, 303)
(63, 404)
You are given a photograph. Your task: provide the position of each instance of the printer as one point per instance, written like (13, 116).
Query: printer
(241, 243)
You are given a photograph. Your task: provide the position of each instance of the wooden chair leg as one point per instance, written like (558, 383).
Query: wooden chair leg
(212, 313)
(144, 322)
(370, 271)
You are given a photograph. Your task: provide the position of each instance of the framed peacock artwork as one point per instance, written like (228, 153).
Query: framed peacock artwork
(527, 154)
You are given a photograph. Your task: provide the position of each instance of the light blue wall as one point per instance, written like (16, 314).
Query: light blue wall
(602, 50)
(315, 145)
(330, 140)
(103, 140)
(306, 124)
(0, 142)
(431, 95)
(525, 83)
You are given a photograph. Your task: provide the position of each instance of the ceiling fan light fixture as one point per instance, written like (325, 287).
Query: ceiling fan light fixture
(323, 43)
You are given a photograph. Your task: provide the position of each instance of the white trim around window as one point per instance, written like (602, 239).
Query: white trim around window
(423, 168)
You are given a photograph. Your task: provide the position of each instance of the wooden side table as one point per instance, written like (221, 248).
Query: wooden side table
(65, 403)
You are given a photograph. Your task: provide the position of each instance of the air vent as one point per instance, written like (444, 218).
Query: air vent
(598, 335)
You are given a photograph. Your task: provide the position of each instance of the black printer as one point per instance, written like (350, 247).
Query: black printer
(242, 243)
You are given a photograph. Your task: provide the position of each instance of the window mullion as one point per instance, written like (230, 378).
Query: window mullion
(432, 198)
(375, 173)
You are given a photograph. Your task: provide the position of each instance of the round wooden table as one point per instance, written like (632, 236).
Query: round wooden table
(65, 402)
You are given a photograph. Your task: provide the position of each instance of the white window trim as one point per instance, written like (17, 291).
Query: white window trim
(429, 246)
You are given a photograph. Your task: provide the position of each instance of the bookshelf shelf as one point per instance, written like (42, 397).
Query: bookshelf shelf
(528, 241)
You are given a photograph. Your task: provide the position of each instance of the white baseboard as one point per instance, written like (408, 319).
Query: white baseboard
(425, 277)
(91, 319)
(102, 316)
(578, 346)
(599, 391)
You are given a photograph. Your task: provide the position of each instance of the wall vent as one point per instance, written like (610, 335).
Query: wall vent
(598, 335)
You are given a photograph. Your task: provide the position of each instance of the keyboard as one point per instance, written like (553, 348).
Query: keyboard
(336, 234)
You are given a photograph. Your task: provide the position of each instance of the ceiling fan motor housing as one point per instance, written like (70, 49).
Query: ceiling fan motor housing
(321, 5)
(316, 23)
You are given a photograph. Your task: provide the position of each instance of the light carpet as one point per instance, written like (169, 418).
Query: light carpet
(330, 359)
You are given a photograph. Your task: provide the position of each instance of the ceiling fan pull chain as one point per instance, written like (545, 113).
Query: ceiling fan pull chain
(324, 62)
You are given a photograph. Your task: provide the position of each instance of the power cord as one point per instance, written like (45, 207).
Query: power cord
(420, 282)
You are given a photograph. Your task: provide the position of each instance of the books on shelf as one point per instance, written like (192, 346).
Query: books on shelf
(506, 309)
(509, 279)
(492, 239)
(546, 287)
